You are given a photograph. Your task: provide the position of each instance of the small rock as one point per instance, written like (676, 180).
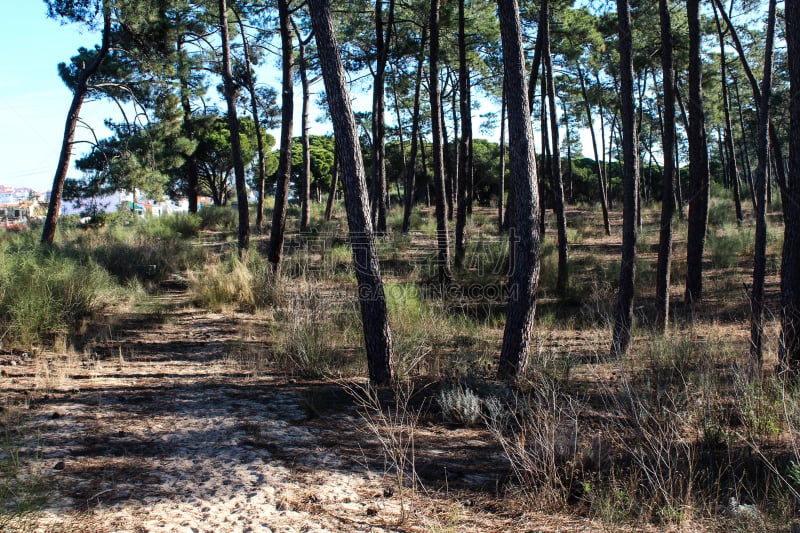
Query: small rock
(56, 415)
(388, 492)
(59, 466)
(371, 511)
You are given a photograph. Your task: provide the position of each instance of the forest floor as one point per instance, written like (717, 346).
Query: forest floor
(160, 429)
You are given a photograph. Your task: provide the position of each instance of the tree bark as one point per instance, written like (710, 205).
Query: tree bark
(760, 253)
(233, 126)
(73, 115)
(334, 184)
(623, 316)
(305, 185)
(465, 149)
(789, 348)
(382, 40)
(442, 233)
(557, 182)
(525, 241)
(668, 190)
(502, 187)
(411, 176)
(601, 180)
(699, 189)
(276, 236)
(372, 300)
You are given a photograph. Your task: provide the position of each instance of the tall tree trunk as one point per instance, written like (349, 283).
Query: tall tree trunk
(73, 116)
(623, 316)
(465, 149)
(334, 184)
(502, 187)
(546, 168)
(251, 89)
(555, 166)
(525, 241)
(372, 299)
(731, 169)
(408, 198)
(450, 159)
(668, 191)
(601, 180)
(305, 185)
(745, 151)
(699, 189)
(276, 235)
(442, 234)
(789, 348)
(760, 253)
(382, 40)
(190, 165)
(233, 126)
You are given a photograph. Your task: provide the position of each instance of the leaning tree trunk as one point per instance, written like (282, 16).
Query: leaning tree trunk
(73, 115)
(601, 181)
(789, 349)
(555, 163)
(382, 40)
(698, 163)
(668, 191)
(261, 178)
(731, 169)
(408, 198)
(305, 187)
(525, 242)
(442, 237)
(374, 315)
(276, 236)
(334, 184)
(760, 253)
(233, 126)
(623, 319)
(465, 148)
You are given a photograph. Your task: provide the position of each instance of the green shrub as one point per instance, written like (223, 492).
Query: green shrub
(227, 283)
(218, 218)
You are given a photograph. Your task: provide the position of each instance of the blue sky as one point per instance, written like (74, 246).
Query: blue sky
(33, 99)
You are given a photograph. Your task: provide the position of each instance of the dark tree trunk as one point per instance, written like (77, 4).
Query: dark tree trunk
(408, 198)
(698, 163)
(789, 349)
(233, 126)
(374, 315)
(305, 185)
(546, 168)
(334, 184)
(760, 253)
(450, 159)
(601, 180)
(73, 116)
(190, 165)
(442, 237)
(555, 166)
(668, 191)
(276, 236)
(623, 316)
(465, 148)
(525, 242)
(251, 88)
(731, 170)
(382, 40)
(502, 187)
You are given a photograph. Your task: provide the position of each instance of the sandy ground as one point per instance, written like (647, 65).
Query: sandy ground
(158, 428)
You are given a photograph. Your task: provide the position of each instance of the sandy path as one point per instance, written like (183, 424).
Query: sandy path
(158, 430)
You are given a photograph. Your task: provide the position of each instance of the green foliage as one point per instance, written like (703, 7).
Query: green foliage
(45, 294)
(218, 218)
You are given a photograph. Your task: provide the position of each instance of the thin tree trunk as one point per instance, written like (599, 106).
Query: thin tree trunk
(334, 184)
(623, 316)
(745, 150)
(601, 180)
(73, 116)
(251, 88)
(442, 236)
(789, 348)
(233, 126)
(276, 237)
(450, 160)
(698, 163)
(374, 315)
(555, 166)
(760, 253)
(382, 40)
(408, 200)
(668, 191)
(502, 187)
(305, 184)
(525, 241)
(465, 149)
(190, 165)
